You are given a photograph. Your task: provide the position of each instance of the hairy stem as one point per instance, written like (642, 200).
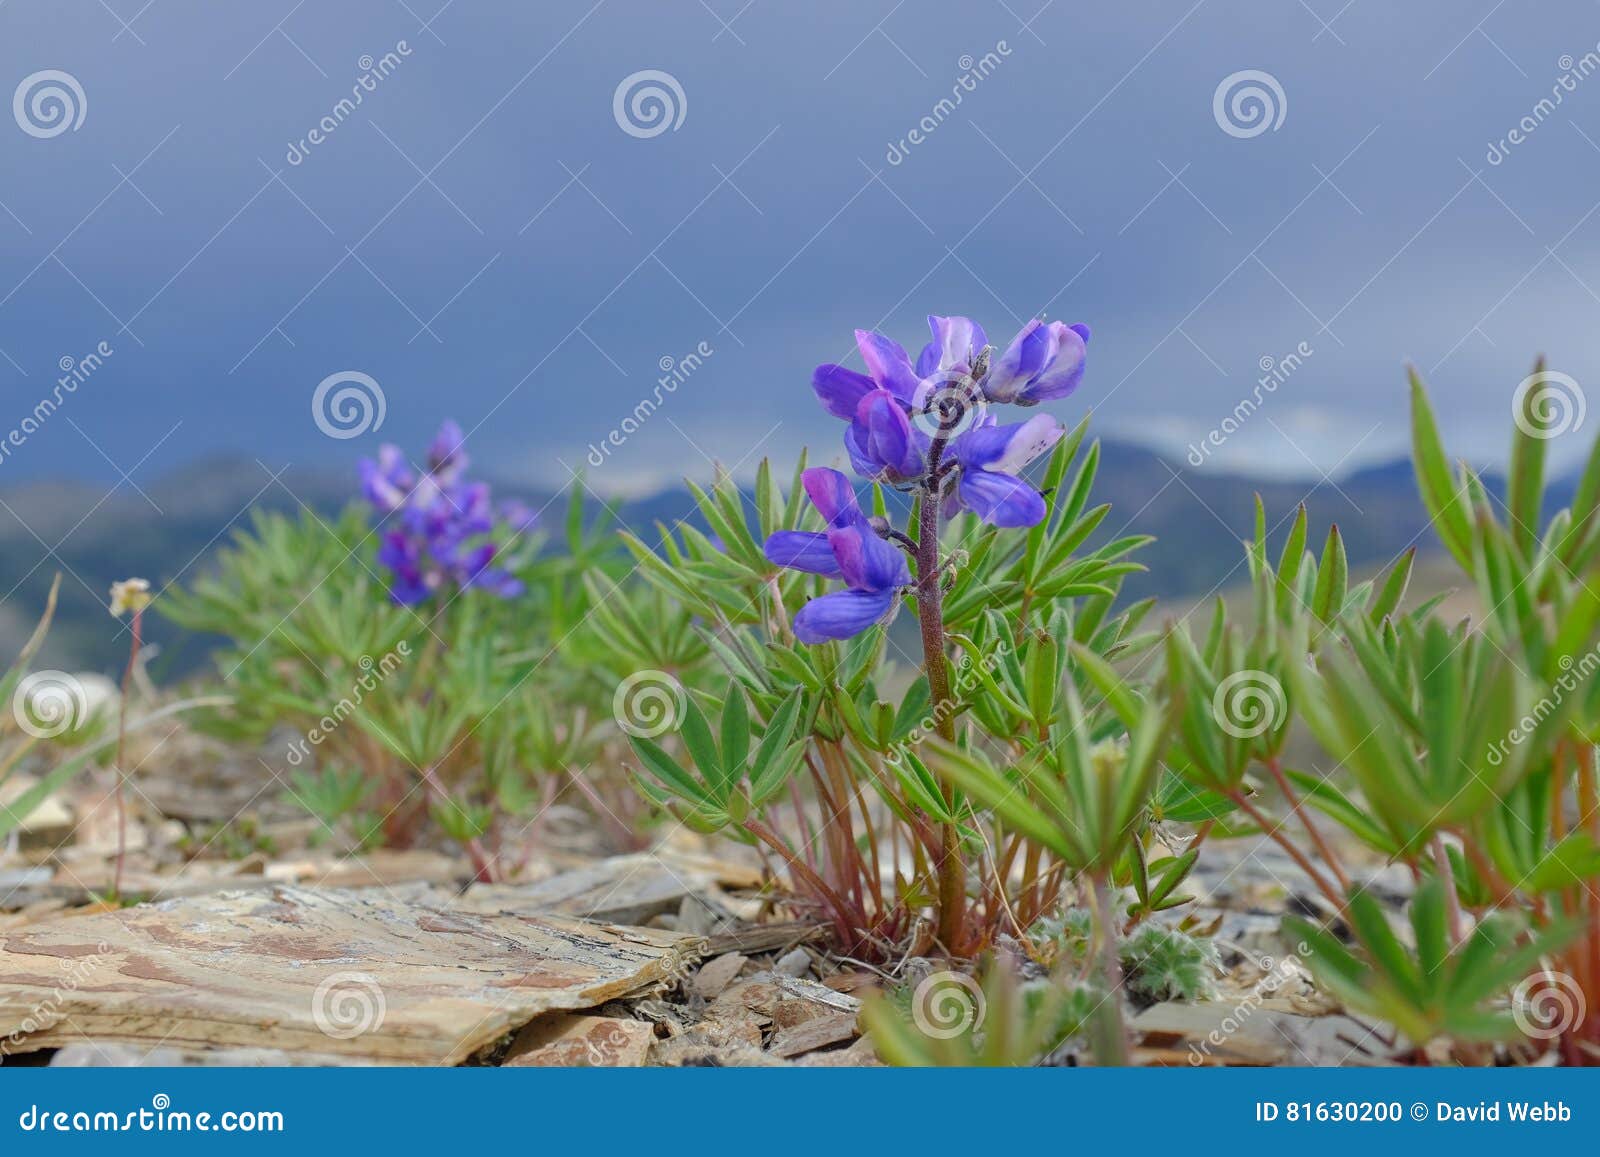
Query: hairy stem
(952, 872)
(1114, 1042)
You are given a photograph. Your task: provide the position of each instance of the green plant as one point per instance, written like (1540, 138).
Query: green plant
(952, 1019)
(465, 714)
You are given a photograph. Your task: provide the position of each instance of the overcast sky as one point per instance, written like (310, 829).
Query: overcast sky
(486, 238)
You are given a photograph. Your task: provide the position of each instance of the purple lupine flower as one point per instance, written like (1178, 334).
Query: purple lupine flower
(1043, 362)
(441, 535)
(850, 549)
(956, 344)
(991, 457)
(883, 444)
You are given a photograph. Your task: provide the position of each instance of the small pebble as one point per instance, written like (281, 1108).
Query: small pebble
(796, 963)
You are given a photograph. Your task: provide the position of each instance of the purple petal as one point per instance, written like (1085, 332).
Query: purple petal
(444, 452)
(840, 390)
(928, 360)
(1001, 499)
(958, 339)
(833, 496)
(889, 433)
(501, 583)
(1007, 449)
(409, 592)
(518, 516)
(385, 482)
(888, 364)
(883, 439)
(867, 562)
(397, 551)
(1065, 371)
(841, 615)
(802, 550)
(1029, 352)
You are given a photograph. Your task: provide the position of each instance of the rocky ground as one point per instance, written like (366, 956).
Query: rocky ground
(250, 945)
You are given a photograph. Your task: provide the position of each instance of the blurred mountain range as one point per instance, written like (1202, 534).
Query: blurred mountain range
(168, 529)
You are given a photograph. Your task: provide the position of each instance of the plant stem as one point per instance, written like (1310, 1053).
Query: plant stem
(1273, 829)
(482, 862)
(122, 737)
(1115, 1039)
(1447, 878)
(952, 872)
(842, 916)
(1312, 830)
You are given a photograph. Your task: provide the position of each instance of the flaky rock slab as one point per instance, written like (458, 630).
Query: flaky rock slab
(355, 974)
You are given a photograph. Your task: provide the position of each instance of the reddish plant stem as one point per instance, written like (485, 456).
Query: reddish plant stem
(1589, 819)
(1304, 814)
(602, 813)
(482, 861)
(843, 918)
(930, 615)
(1274, 830)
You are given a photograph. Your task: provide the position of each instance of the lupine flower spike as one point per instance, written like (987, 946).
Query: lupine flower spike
(441, 534)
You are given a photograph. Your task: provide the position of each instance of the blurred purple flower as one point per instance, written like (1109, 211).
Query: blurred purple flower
(440, 536)
(850, 549)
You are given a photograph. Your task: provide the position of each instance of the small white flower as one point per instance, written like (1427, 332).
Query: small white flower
(129, 595)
